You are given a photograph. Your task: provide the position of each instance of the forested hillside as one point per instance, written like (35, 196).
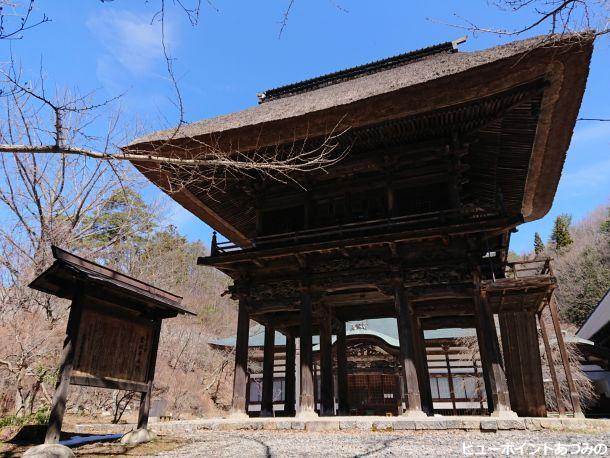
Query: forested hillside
(581, 254)
(105, 219)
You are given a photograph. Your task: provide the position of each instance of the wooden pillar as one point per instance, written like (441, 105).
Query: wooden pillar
(489, 348)
(421, 365)
(152, 363)
(485, 371)
(407, 350)
(551, 363)
(450, 378)
(268, 369)
(574, 397)
(327, 399)
(290, 375)
(306, 399)
(58, 407)
(342, 370)
(522, 363)
(240, 375)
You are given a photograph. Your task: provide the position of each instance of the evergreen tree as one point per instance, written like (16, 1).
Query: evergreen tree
(118, 233)
(593, 271)
(561, 232)
(538, 245)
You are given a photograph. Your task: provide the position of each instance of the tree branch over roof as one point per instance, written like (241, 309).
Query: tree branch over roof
(558, 16)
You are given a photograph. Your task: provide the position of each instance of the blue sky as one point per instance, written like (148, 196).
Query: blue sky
(235, 52)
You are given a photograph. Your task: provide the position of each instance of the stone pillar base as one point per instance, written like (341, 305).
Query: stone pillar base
(414, 414)
(49, 450)
(307, 415)
(138, 436)
(504, 414)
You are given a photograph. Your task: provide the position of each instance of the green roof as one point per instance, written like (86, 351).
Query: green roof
(384, 328)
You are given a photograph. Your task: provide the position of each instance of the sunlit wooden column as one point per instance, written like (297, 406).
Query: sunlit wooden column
(268, 366)
(489, 348)
(306, 399)
(290, 375)
(421, 365)
(327, 400)
(406, 329)
(522, 365)
(551, 362)
(240, 375)
(342, 370)
(574, 397)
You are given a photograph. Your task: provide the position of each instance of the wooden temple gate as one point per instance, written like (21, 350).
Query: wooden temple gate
(443, 154)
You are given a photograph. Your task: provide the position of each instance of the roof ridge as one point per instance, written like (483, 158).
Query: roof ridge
(357, 71)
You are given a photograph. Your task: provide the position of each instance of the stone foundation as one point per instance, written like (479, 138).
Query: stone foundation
(381, 424)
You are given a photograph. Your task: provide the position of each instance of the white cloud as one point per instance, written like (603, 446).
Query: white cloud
(130, 41)
(591, 132)
(590, 178)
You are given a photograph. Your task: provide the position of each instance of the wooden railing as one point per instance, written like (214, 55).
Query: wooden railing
(359, 228)
(529, 268)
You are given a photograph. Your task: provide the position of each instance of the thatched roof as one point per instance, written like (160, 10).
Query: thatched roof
(407, 88)
(411, 73)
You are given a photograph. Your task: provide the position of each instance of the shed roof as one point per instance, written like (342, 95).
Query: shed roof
(62, 277)
(597, 326)
(383, 328)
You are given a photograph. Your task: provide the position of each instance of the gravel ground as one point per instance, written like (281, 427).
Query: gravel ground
(413, 443)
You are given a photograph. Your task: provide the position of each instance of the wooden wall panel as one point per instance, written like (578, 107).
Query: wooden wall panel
(522, 363)
(112, 347)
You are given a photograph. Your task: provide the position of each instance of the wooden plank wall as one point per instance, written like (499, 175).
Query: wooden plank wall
(112, 347)
(522, 363)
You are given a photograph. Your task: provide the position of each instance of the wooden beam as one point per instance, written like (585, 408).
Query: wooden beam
(522, 363)
(497, 395)
(327, 400)
(450, 379)
(574, 397)
(58, 405)
(268, 366)
(407, 349)
(152, 362)
(551, 363)
(192, 203)
(240, 375)
(421, 365)
(110, 384)
(342, 390)
(306, 402)
(405, 236)
(290, 375)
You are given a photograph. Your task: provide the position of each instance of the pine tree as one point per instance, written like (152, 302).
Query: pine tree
(561, 232)
(538, 244)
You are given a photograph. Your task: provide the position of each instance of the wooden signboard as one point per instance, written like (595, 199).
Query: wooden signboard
(112, 351)
(112, 335)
